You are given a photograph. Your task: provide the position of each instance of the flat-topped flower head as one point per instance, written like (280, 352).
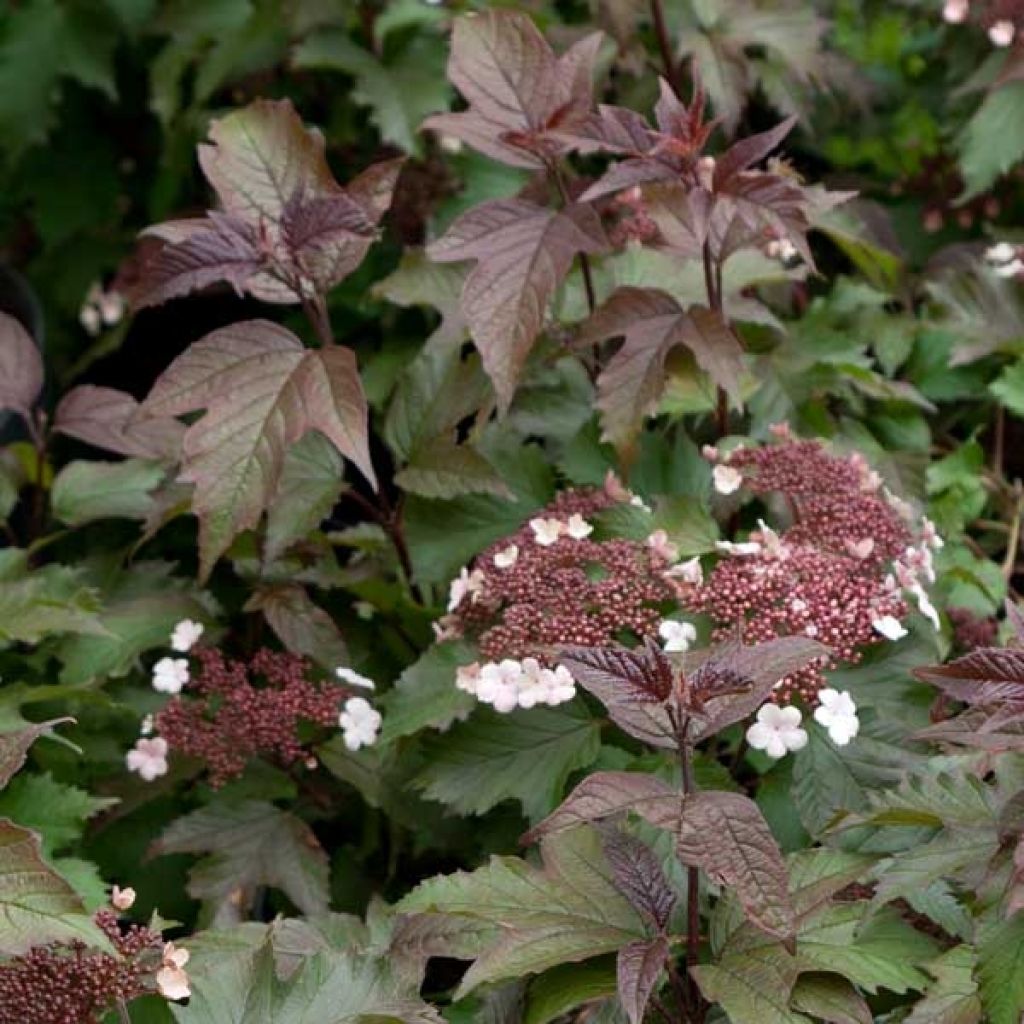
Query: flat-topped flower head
(186, 635)
(777, 731)
(170, 675)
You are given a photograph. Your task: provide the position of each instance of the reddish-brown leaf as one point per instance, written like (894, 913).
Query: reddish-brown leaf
(14, 746)
(21, 368)
(988, 675)
(749, 151)
(606, 794)
(639, 876)
(523, 253)
(652, 324)
(726, 836)
(637, 967)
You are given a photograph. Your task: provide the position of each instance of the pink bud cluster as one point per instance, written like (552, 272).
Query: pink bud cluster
(232, 711)
(550, 584)
(836, 573)
(71, 984)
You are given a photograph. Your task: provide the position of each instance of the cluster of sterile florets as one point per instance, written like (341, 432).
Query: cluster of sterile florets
(551, 584)
(69, 983)
(777, 730)
(1001, 19)
(225, 711)
(840, 571)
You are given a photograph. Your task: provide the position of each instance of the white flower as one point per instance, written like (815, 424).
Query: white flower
(661, 547)
(689, 571)
(445, 628)
(146, 726)
(677, 635)
(838, 714)
(750, 547)
(186, 635)
(171, 979)
(354, 678)
(637, 502)
(170, 675)
(507, 557)
(1002, 33)
(727, 480)
(499, 684)
(89, 318)
(577, 527)
(148, 758)
(955, 11)
(860, 549)
(777, 730)
(534, 684)
(360, 722)
(122, 899)
(925, 606)
(890, 627)
(546, 531)
(1011, 269)
(467, 677)
(1001, 252)
(111, 307)
(931, 535)
(771, 543)
(467, 583)
(562, 686)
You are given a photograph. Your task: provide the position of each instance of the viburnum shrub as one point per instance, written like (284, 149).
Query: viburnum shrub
(522, 550)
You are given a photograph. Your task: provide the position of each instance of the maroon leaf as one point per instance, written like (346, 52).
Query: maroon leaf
(262, 391)
(637, 967)
(639, 876)
(726, 836)
(21, 368)
(973, 729)
(606, 794)
(749, 151)
(110, 419)
(641, 675)
(653, 324)
(523, 252)
(519, 93)
(985, 676)
(321, 221)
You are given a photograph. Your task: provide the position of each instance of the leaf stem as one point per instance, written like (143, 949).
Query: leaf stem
(315, 309)
(664, 43)
(713, 285)
(693, 998)
(585, 269)
(122, 1012)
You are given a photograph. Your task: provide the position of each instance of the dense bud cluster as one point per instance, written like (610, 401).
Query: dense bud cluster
(232, 710)
(550, 584)
(836, 573)
(71, 984)
(971, 631)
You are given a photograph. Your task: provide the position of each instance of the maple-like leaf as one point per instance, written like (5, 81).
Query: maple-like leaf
(109, 419)
(262, 391)
(653, 324)
(21, 368)
(608, 794)
(523, 252)
(726, 836)
(520, 95)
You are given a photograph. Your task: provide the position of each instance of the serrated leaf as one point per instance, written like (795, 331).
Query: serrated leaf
(831, 998)
(300, 624)
(56, 811)
(566, 911)
(992, 141)
(752, 990)
(653, 324)
(1000, 970)
(952, 998)
(559, 990)
(262, 392)
(21, 368)
(638, 967)
(51, 601)
(639, 876)
(246, 845)
(84, 491)
(523, 252)
(15, 745)
(36, 905)
(493, 757)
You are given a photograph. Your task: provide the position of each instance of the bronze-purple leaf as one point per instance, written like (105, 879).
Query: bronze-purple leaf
(746, 152)
(985, 676)
(523, 253)
(606, 794)
(653, 324)
(21, 368)
(637, 968)
(726, 836)
(640, 675)
(639, 876)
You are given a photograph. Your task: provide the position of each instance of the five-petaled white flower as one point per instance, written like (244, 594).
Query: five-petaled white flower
(186, 635)
(546, 531)
(577, 527)
(727, 479)
(148, 758)
(466, 584)
(507, 557)
(122, 899)
(1002, 32)
(777, 731)
(890, 627)
(170, 675)
(353, 678)
(499, 684)
(955, 11)
(677, 635)
(838, 714)
(171, 980)
(360, 722)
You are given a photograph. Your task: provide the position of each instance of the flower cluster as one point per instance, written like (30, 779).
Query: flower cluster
(1001, 19)
(838, 573)
(510, 684)
(67, 983)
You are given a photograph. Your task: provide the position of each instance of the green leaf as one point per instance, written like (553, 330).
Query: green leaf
(566, 911)
(831, 998)
(1001, 969)
(84, 491)
(563, 988)
(751, 990)
(56, 811)
(1008, 387)
(418, 281)
(526, 756)
(36, 905)
(425, 695)
(249, 844)
(50, 601)
(992, 141)
(953, 997)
